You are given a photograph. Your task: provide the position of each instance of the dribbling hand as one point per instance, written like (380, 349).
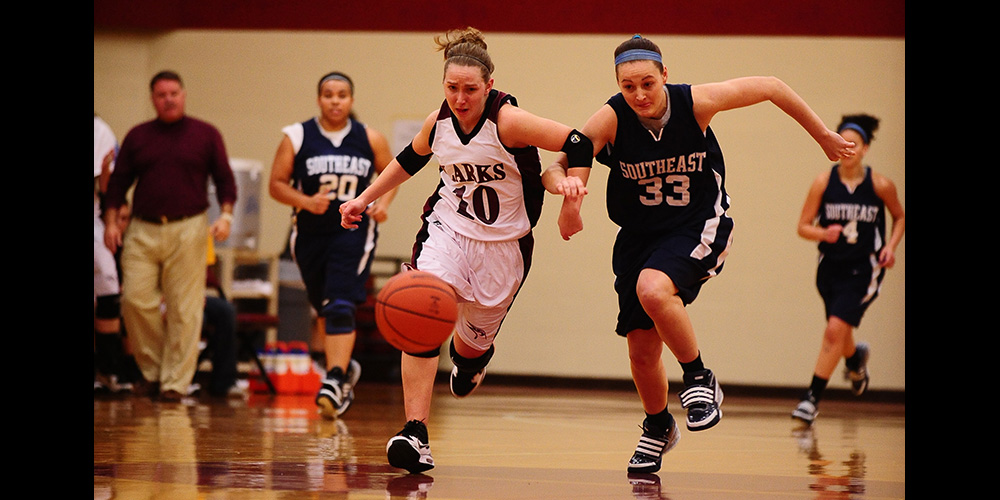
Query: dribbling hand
(350, 213)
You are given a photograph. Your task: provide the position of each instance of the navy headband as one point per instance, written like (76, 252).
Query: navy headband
(857, 128)
(638, 55)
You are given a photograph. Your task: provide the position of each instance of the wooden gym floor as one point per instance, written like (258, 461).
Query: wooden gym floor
(506, 441)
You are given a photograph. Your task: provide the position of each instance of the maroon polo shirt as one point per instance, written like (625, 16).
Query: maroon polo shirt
(170, 164)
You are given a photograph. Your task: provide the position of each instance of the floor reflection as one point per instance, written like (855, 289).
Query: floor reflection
(646, 487)
(831, 480)
(503, 444)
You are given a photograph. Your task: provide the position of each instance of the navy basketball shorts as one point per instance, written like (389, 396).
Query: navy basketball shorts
(681, 254)
(335, 265)
(848, 288)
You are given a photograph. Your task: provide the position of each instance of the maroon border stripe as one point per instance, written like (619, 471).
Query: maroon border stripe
(853, 18)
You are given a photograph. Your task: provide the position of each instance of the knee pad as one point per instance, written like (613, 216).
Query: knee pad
(427, 354)
(108, 307)
(470, 364)
(339, 316)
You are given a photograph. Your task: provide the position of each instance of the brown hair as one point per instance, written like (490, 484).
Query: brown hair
(465, 47)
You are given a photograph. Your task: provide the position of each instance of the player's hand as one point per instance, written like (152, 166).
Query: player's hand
(832, 233)
(318, 203)
(836, 147)
(570, 220)
(887, 258)
(571, 187)
(350, 213)
(378, 213)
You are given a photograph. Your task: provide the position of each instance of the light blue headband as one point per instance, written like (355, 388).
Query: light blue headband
(857, 128)
(638, 55)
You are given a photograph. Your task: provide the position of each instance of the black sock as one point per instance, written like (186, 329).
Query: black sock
(663, 420)
(854, 361)
(693, 366)
(336, 373)
(817, 386)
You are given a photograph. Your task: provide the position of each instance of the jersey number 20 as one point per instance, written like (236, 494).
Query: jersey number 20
(339, 187)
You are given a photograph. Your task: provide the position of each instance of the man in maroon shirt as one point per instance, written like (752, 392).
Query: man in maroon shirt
(169, 160)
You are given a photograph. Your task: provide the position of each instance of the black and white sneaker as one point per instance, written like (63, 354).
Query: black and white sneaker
(653, 443)
(702, 397)
(409, 450)
(337, 392)
(859, 376)
(807, 410)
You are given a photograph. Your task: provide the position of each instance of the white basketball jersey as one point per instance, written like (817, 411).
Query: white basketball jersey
(483, 184)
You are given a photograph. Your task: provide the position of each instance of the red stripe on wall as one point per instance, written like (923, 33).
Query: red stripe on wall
(851, 18)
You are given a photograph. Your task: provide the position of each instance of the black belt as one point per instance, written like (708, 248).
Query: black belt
(164, 219)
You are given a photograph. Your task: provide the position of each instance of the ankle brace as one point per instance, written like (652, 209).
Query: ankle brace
(469, 364)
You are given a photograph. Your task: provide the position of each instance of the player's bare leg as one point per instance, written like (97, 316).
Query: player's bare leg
(650, 376)
(418, 385)
(659, 430)
(336, 393)
(410, 449)
(702, 395)
(838, 342)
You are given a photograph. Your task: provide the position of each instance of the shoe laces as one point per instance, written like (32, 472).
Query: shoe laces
(415, 428)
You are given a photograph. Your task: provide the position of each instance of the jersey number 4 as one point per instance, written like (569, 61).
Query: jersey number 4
(850, 232)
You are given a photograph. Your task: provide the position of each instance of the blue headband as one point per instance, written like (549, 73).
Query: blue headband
(638, 55)
(857, 128)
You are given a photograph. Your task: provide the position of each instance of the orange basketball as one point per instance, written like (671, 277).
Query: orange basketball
(415, 311)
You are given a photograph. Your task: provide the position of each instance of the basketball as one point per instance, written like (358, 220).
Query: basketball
(415, 311)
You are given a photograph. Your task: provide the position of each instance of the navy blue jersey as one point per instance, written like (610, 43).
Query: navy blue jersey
(861, 212)
(659, 185)
(343, 171)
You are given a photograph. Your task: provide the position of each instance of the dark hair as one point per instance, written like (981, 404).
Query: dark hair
(867, 123)
(165, 75)
(465, 47)
(336, 75)
(639, 42)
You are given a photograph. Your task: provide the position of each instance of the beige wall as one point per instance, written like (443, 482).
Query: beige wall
(759, 322)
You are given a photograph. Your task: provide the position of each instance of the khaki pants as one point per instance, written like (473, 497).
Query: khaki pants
(164, 265)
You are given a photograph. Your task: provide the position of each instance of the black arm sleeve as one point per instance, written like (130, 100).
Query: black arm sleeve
(411, 161)
(579, 150)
